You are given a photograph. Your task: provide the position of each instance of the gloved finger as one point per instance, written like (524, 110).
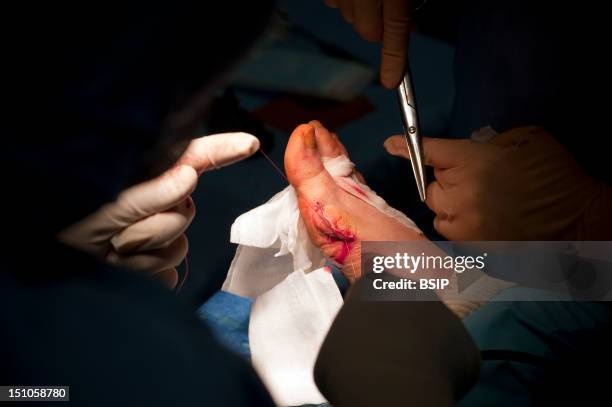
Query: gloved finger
(450, 153)
(168, 277)
(438, 200)
(218, 150)
(446, 178)
(439, 153)
(156, 231)
(150, 197)
(346, 8)
(396, 145)
(368, 19)
(445, 227)
(483, 135)
(152, 261)
(396, 30)
(516, 136)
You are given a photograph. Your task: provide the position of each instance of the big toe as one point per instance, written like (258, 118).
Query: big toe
(328, 144)
(303, 164)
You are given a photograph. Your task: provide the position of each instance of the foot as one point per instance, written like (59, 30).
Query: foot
(337, 221)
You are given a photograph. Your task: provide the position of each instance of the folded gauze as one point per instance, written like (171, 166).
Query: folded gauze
(273, 241)
(296, 299)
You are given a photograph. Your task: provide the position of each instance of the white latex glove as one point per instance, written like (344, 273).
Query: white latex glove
(143, 229)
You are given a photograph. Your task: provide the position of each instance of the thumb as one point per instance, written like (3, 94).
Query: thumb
(153, 196)
(135, 203)
(439, 153)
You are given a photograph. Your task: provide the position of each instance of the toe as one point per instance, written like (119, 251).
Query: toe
(328, 145)
(303, 164)
(342, 148)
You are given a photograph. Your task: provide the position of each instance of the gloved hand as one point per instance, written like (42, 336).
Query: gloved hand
(520, 185)
(381, 20)
(143, 229)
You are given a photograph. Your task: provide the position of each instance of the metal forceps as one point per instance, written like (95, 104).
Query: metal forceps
(412, 132)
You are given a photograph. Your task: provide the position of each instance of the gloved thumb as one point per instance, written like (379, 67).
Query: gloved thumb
(151, 197)
(93, 233)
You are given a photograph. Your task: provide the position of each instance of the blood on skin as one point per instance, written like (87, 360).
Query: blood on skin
(341, 256)
(359, 191)
(334, 233)
(351, 187)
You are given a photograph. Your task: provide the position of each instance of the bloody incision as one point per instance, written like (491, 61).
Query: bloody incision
(335, 233)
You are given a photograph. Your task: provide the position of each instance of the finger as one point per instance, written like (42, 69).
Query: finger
(437, 152)
(437, 200)
(444, 227)
(460, 228)
(396, 28)
(218, 150)
(444, 177)
(168, 277)
(326, 143)
(396, 145)
(449, 153)
(150, 197)
(152, 261)
(368, 19)
(483, 135)
(156, 231)
(346, 8)
(332, 3)
(516, 136)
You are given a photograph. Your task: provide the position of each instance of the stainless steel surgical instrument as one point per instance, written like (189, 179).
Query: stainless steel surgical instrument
(412, 132)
